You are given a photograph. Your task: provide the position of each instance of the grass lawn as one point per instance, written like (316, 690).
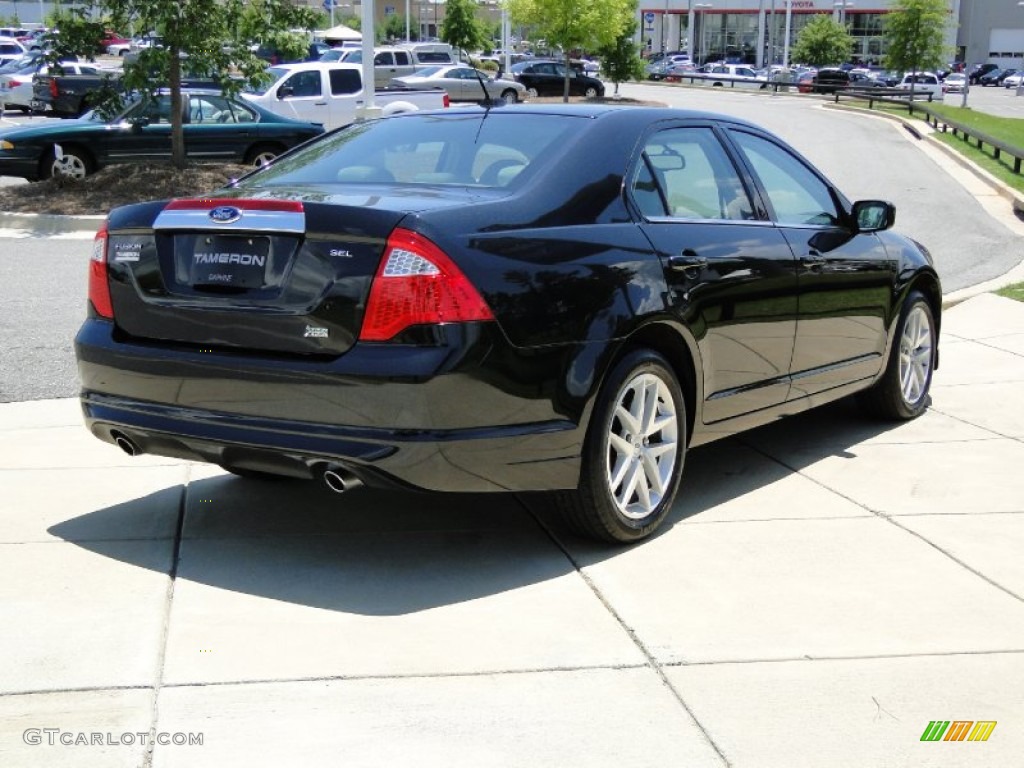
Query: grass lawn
(1013, 291)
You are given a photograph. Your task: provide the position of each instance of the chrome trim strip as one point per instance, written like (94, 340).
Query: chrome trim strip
(293, 222)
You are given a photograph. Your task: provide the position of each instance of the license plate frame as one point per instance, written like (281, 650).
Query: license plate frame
(229, 261)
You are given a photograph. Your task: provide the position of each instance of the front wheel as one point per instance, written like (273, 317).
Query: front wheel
(902, 392)
(591, 92)
(633, 456)
(509, 97)
(532, 93)
(72, 164)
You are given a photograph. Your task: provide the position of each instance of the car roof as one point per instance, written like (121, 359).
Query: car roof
(600, 112)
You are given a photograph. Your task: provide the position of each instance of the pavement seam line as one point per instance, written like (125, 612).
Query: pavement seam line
(890, 518)
(652, 663)
(154, 714)
(962, 420)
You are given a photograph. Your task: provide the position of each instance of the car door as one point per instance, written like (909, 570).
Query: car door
(142, 135)
(213, 130)
(846, 280)
(302, 96)
(730, 272)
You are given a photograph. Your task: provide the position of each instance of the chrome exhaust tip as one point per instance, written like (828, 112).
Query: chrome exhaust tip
(125, 444)
(340, 480)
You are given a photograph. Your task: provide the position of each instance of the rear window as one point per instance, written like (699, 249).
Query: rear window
(484, 150)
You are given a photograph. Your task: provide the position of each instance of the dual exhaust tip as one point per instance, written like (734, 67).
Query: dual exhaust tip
(336, 478)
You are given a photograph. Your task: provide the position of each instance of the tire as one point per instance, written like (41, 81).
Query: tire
(76, 164)
(532, 93)
(717, 85)
(902, 392)
(633, 455)
(261, 154)
(591, 92)
(509, 96)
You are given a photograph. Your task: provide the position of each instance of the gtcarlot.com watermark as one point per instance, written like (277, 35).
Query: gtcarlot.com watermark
(58, 737)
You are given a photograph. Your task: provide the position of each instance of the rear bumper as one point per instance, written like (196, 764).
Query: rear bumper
(410, 416)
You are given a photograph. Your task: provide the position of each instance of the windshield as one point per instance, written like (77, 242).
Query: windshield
(488, 149)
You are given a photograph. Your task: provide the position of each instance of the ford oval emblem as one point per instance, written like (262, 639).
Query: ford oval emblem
(225, 214)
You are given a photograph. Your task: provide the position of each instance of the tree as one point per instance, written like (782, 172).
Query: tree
(574, 24)
(822, 41)
(210, 39)
(620, 60)
(914, 35)
(460, 28)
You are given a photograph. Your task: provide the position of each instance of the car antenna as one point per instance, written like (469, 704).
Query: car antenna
(487, 102)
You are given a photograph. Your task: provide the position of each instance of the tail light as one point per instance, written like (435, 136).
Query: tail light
(447, 100)
(53, 87)
(99, 289)
(416, 284)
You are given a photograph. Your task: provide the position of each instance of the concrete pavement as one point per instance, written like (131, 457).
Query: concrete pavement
(826, 588)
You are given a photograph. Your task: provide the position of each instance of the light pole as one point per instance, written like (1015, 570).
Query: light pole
(1020, 85)
(789, 27)
(842, 5)
(702, 8)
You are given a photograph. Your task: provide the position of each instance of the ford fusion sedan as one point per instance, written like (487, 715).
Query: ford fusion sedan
(564, 299)
(217, 129)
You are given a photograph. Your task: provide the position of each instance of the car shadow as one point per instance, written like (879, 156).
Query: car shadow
(386, 553)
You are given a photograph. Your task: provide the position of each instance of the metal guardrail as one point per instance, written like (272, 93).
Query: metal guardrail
(945, 124)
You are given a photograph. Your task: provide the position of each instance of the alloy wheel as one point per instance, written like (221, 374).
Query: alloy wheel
(915, 355)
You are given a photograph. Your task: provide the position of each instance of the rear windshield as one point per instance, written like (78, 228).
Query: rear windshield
(485, 149)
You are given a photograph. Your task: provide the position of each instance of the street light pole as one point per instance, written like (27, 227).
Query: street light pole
(789, 27)
(703, 8)
(1020, 85)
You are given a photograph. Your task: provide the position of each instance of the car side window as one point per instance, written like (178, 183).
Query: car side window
(384, 59)
(401, 58)
(695, 176)
(796, 193)
(304, 83)
(345, 81)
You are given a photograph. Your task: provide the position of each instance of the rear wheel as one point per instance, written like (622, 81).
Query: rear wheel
(262, 154)
(633, 456)
(509, 97)
(902, 392)
(591, 92)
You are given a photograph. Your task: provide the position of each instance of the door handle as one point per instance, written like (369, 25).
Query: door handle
(688, 262)
(812, 260)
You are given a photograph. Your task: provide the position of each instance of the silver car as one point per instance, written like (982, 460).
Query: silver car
(463, 83)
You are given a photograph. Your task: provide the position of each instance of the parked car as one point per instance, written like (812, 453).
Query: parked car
(389, 63)
(10, 49)
(955, 82)
(996, 76)
(463, 83)
(720, 74)
(16, 87)
(1013, 81)
(827, 80)
(217, 129)
(978, 71)
(331, 92)
(547, 78)
(561, 298)
(921, 82)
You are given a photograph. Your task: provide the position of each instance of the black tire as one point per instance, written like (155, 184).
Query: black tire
(609, 504)
(79, 161)
(591, 92)
(509, 96)
(912, 356)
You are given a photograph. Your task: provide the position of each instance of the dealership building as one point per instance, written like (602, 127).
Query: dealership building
(977, 30)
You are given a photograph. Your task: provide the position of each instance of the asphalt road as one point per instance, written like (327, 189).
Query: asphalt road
(43, 281)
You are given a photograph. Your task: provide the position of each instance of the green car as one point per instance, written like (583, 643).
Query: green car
(217, 128)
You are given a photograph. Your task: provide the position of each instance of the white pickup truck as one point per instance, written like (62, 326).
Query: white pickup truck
(331, 92)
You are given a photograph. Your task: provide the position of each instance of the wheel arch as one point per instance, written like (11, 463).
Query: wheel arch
(68, 146)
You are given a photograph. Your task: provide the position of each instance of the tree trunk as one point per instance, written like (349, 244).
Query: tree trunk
(177, 130)
(568, 74)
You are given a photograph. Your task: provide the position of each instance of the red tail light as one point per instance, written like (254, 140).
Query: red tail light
(53, 88)
(416, 284)
(447, 100)
(99, 290)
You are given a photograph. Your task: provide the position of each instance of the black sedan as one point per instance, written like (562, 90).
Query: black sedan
(562, 299)
(217, 128)
(547, 78)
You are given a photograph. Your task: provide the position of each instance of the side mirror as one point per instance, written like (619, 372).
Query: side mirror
(873, 215)
(138, 123)
(285, 91)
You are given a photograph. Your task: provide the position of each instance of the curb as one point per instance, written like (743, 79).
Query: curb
(43, 224)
